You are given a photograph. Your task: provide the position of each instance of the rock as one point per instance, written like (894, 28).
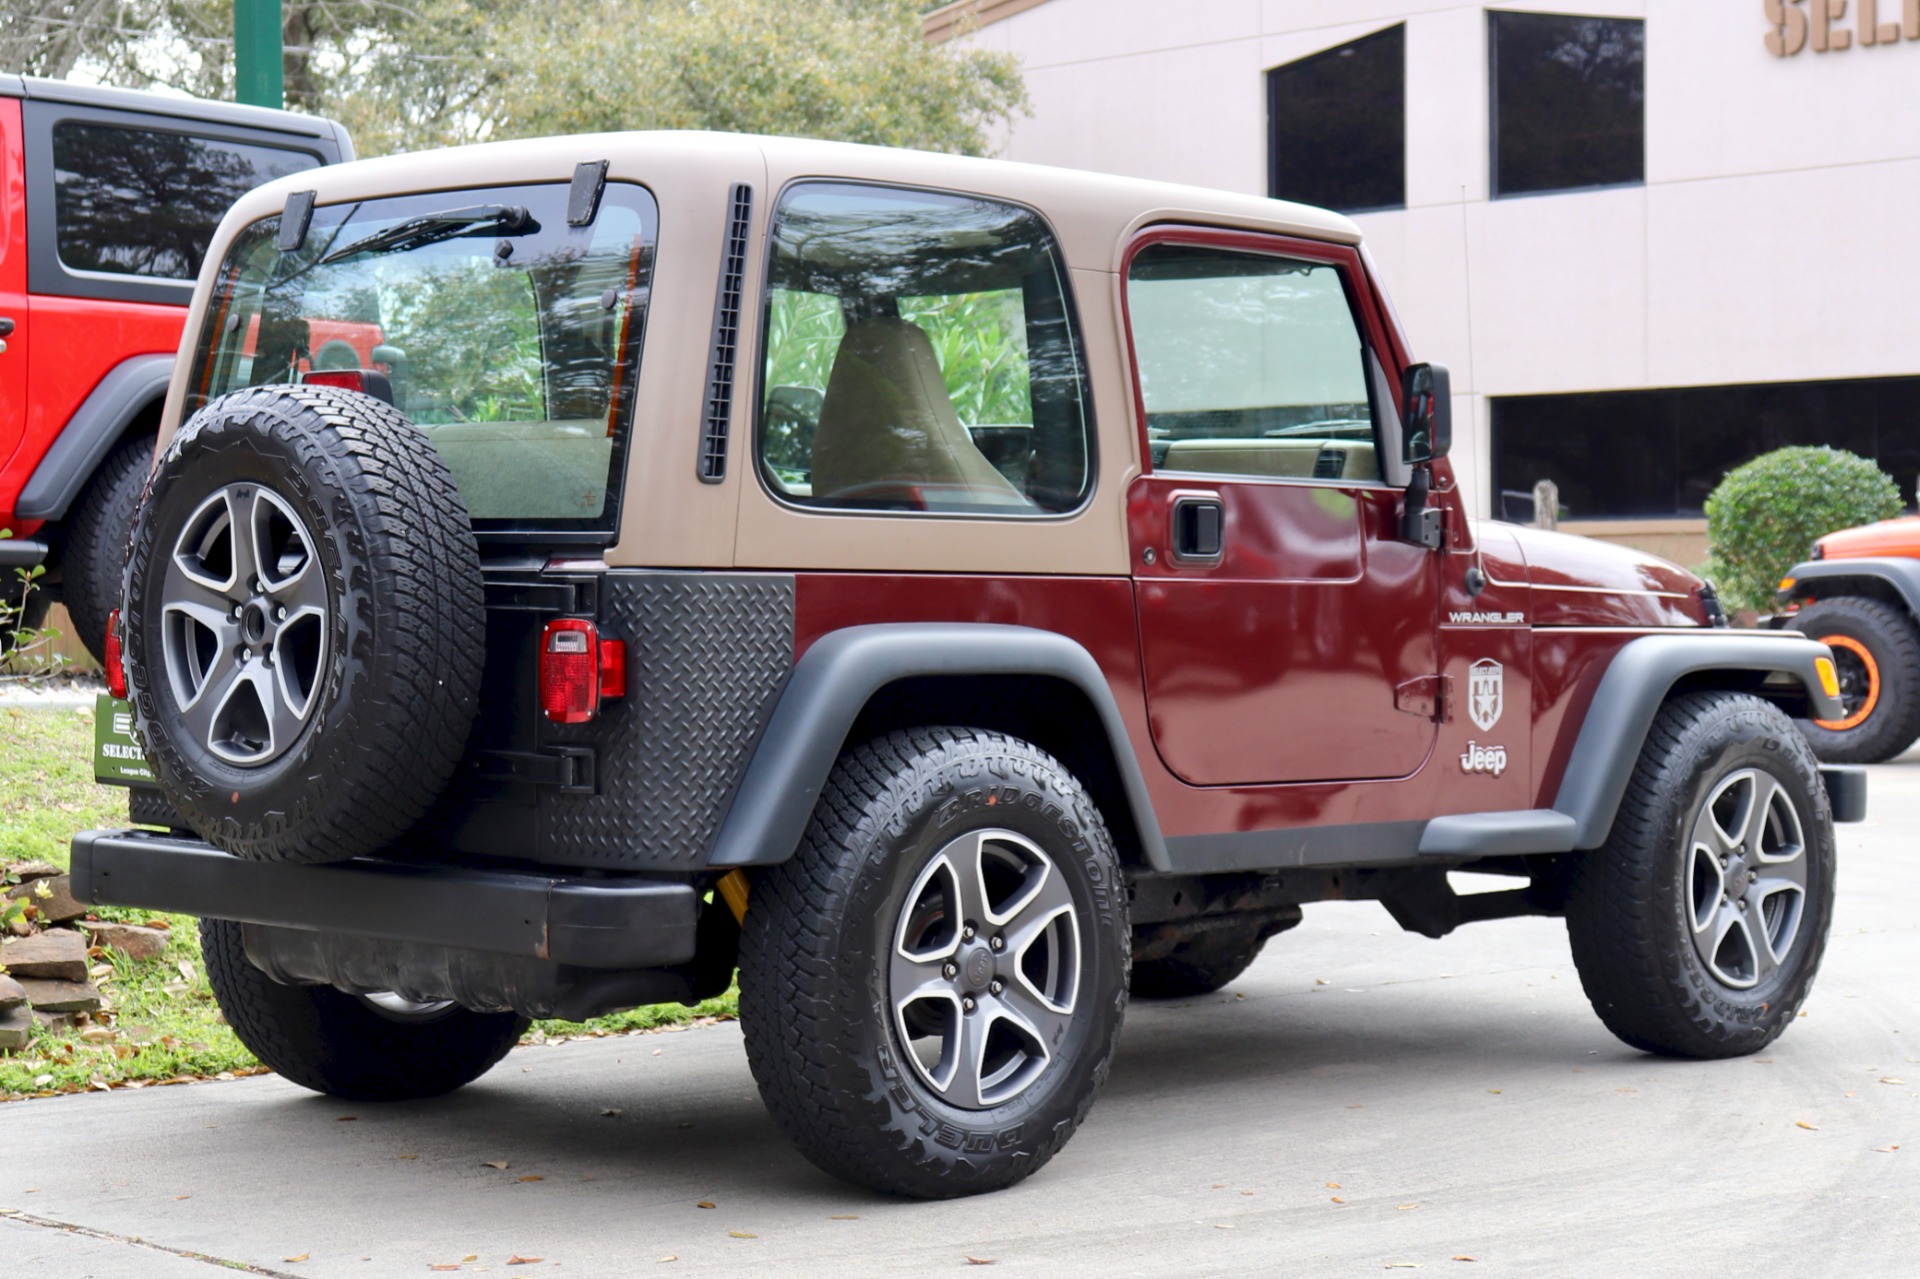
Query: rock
(49, 996)
(16, 1028)
(130, 940)
(59, 954)
(11, 996)
(33, 870)
(56, 1022)
(52, 896)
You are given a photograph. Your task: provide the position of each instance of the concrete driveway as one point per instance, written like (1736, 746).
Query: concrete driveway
(1432, 1102)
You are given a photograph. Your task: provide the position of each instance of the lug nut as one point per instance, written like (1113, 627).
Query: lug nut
(966, 934)
(950, 971)
(997, 986)
(998, 942)
(280, 613)
(967, 1003)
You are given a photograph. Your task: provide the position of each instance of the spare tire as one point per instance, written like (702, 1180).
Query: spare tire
(304, 623)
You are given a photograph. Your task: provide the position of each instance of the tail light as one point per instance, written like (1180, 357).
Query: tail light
(579, 670)
(115, 664)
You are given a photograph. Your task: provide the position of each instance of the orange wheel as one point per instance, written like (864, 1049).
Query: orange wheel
(1859, 682)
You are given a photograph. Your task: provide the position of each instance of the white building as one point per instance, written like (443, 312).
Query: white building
(1701, 217)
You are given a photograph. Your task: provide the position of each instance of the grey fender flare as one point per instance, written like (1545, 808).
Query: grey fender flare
(1900, 576)
(832, 683)
(1637, 681)
(91, 433)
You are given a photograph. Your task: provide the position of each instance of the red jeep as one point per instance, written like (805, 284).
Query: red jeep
(108, 199)
(958, 595)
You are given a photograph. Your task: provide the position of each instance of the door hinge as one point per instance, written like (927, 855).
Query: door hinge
(1429, 696)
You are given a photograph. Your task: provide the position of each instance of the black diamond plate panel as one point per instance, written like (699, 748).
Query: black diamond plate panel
(707, 654)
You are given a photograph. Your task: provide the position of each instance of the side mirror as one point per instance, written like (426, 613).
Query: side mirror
(1428, 394)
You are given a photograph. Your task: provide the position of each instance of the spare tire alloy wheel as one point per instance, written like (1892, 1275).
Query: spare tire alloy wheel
(931, 989)
(304, 623)
(1698, 926)
(244, 625)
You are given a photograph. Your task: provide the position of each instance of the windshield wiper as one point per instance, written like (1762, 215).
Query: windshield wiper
(415, 233)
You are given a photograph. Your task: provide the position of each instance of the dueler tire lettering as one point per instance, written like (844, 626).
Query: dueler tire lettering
(397, 685)
(1877, 649)
(1632, 903)
(339, 1044)
(818, 1006)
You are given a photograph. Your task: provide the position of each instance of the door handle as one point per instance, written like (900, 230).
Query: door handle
(1199, 530)
(6, 331)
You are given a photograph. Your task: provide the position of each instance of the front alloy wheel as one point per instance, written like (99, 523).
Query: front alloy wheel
(1747, 879)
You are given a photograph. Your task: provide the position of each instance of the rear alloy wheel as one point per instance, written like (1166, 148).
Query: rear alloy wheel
(304, 624)
(1698, 926)
(931, 988)
(1876, 653)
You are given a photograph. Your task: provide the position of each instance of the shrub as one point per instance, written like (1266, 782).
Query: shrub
(1765, 516)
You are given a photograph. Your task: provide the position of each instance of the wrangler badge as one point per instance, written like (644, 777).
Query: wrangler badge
(1486, 693)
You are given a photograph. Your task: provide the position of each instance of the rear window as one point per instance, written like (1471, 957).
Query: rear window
(146, 202)
(510, 338)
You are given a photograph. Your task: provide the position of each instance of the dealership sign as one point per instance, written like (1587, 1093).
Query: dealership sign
(1822, 26)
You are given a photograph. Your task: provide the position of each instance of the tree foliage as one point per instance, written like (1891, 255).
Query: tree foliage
(1765, 516)
(403, 75)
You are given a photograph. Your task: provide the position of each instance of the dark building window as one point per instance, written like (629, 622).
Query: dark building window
(1659, 453)
(1337, 126)
(1569, 102)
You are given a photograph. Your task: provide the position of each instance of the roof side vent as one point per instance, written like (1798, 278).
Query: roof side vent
(726, 338)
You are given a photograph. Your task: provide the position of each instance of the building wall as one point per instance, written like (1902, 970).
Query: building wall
(1774, 239)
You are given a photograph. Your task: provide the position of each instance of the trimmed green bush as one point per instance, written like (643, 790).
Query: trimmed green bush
(1765, 516)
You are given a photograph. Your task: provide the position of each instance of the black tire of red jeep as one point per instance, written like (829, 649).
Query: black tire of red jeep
(818, 939)
(1892, 642)
(1628, 901)
(341, 1045)
(94, 562)
(393, 705)
(1199, 967)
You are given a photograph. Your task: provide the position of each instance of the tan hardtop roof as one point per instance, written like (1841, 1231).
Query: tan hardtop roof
(1093, 213)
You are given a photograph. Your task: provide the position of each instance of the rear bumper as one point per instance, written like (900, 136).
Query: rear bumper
(617, 923)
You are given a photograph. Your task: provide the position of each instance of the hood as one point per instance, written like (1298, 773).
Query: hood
(1889, 537)
(1580, 581)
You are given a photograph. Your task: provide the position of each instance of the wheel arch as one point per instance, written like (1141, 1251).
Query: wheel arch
(1649, 671)
(132, 389)
(865, 680)
(1889, 579)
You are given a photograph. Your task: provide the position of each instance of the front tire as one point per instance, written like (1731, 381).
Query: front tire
(931, 989)
(359, 1049)
(1698, 927)
(95, 560)
(1876, 650)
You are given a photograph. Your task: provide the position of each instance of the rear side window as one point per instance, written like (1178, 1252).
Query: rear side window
(145, 202)
(920, 356)
(509, 337)
(1250, 365)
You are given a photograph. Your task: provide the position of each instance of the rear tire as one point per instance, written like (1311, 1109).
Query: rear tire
(346, 1046)
(1698, 926)
(93, 566)
(956, 891)
(1876, 649)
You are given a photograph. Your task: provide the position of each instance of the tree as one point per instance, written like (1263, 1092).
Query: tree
(409, 74)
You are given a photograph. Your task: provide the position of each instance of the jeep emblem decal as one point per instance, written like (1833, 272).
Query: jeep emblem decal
(1486, 693)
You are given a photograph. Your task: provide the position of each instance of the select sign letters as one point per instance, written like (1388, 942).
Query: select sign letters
(1822, 25)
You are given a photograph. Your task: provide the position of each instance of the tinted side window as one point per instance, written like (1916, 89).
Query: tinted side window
(144, 202)
(920, 356)
(1338, 125)
(1569, 102)
(1250, 365)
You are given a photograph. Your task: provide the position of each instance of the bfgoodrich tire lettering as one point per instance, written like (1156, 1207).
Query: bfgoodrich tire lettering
(378, 607)
(828, 932)
(1723, 844)
(346, 1046)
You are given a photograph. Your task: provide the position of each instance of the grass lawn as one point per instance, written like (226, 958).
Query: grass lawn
(162, 1024)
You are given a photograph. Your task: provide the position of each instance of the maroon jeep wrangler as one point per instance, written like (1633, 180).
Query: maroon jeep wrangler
(958, 595)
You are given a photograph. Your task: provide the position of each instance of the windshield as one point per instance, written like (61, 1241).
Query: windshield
(510, 338)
